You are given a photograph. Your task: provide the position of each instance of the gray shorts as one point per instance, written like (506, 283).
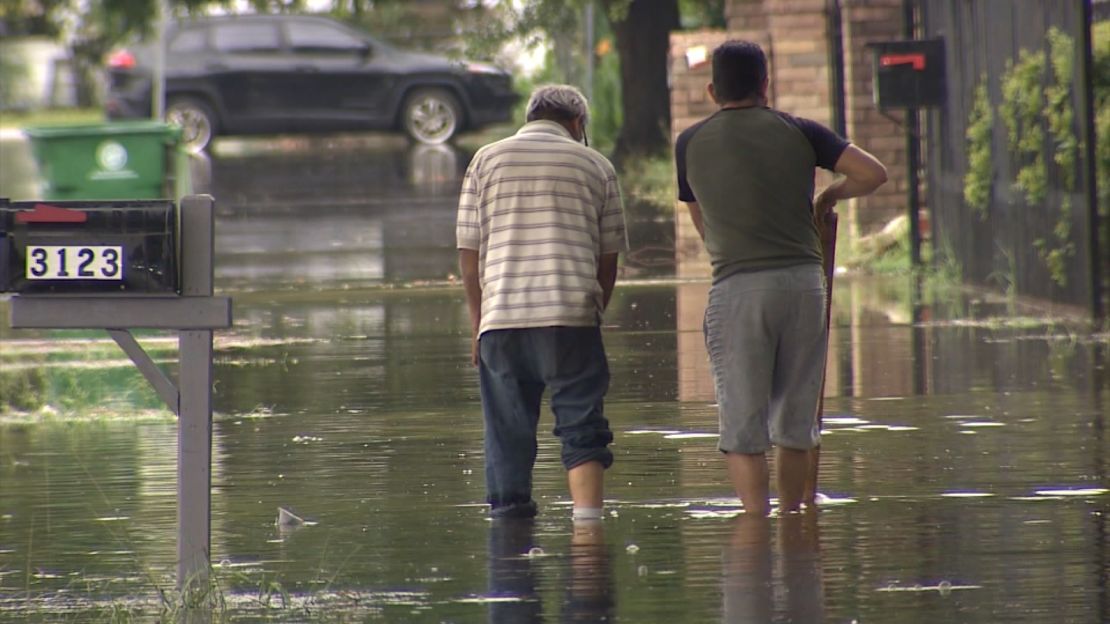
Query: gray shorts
(766, 337)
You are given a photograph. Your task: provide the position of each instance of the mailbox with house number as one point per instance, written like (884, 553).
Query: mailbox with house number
(908, 74)
(89, 247)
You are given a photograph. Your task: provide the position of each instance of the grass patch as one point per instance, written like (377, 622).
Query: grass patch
(650, 181)
(51, 117)
(470, 142)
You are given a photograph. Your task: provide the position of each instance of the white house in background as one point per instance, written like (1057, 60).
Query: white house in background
(35, 73)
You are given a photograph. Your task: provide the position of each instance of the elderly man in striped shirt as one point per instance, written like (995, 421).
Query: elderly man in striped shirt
(540, 226)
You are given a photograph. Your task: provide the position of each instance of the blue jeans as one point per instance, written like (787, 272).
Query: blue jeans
(514, 368)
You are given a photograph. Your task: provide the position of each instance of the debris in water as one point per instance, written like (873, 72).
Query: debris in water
(287, 518)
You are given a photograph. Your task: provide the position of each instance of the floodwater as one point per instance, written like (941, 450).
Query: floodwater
(965, 451)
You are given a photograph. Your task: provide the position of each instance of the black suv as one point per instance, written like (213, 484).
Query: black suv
(253, 74)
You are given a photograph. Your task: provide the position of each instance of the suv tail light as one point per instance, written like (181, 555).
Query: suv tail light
(121, 59)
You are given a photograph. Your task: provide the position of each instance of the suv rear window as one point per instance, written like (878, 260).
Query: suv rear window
(246, 38)
(315, 37)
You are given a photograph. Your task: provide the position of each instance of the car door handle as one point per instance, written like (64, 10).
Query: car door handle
(307, 69)
(215, 67)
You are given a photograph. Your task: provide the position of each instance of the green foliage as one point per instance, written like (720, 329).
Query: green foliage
(941, 262)
(1006, 279)
(703, 14)
(13, 74)
(536, 19)
(50, 117)
(1060, 114)
(1022, 103)
(1037, 109)
(978, 180)
(22, 390)
(1060, 117)
(650, 181)
(1101, 38)
(565, 63)
(605, 105)
(32, 17)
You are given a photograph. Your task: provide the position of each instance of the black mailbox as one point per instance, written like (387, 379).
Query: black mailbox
(89, 247)
(908, 74)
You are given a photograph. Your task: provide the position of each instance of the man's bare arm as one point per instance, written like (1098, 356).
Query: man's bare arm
(607, 276)
(863, 173)
(695, 216)
(468, 268)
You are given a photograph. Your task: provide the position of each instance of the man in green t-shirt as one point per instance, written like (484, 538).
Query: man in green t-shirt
(746, 173)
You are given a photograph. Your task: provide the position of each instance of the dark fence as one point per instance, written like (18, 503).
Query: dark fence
(1009, 157)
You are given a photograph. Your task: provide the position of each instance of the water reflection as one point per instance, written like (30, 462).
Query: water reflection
(884, 342)
(343, 393)
(773, 578)
(513, 590)
(515, 579)
(590, 596)
(435, 169)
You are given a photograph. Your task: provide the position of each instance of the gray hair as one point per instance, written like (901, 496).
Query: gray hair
(558, 102)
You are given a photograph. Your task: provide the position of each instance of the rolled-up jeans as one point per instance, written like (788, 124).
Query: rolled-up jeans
(515, 367)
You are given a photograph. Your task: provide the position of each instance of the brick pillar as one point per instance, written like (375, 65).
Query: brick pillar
(865, 21)
(748, 19)
(689, 104)
(799, 58)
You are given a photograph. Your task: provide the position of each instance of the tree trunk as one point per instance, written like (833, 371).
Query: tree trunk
(85, 56)
(642, 31)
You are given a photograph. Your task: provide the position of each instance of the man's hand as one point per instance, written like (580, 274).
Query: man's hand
(468, 268)
(606, 277)
(823, 205)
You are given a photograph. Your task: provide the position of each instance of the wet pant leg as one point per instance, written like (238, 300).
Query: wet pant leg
(510, 407)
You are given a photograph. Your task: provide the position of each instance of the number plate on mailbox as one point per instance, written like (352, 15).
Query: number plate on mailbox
(112, 246)
(72, 262)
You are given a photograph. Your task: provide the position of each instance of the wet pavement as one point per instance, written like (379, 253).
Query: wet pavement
(965, 451)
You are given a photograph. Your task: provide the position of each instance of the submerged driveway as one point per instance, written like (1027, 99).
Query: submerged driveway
(965, 451)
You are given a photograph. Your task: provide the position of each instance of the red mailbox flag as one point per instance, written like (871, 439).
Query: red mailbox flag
(917, 60)
(45, 213)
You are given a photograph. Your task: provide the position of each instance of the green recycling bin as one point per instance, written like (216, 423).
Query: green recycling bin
(118, 160)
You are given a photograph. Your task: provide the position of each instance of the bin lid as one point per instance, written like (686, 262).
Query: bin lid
(107, 129)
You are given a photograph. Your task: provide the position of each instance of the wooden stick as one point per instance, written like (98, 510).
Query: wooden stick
(828, 251)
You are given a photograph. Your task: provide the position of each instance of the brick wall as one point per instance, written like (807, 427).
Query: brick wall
(799, 57)
(866, 21)
(690, 103)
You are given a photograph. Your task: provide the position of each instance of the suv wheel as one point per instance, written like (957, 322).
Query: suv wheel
(431, 115)
(196, 119)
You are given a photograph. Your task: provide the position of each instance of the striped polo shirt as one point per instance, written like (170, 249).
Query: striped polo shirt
(540, 209)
